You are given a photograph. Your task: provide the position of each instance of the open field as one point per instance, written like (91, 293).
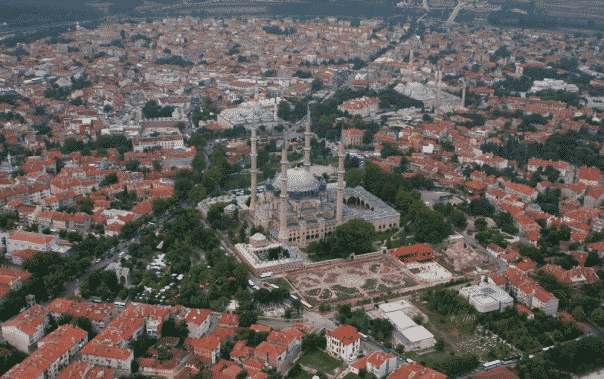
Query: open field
(461, 336)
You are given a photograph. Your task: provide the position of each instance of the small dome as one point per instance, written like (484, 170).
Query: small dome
(298, 180)
(258, 237)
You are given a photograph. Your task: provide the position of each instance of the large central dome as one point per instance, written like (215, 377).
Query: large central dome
(298, 180)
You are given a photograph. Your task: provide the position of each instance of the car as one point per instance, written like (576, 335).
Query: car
(360, 356)
(97, 260)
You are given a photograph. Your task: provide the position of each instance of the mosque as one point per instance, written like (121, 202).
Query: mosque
(298, 208)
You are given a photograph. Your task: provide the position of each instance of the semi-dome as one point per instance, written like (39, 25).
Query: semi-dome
(298, 180)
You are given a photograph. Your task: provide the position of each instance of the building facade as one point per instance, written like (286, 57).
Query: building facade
(344, 342)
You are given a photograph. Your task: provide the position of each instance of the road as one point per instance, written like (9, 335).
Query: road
(72, 286)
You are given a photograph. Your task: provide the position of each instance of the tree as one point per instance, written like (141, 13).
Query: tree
(316, 85)
(109, 179)
(55, 283)
(578, 313)
(440, 345)
(247, 319)
(86, 205)
(481, 207)
(480, 224)
(160, 206)
(355, 236)
(134, 366)
(313, 341)
(132, 165)
(198, 194)
(597, 316)
(354, 177)
(593, 259)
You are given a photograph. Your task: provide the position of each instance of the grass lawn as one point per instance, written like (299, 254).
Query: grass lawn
(346, 290)
(320, 361)
(280, 282)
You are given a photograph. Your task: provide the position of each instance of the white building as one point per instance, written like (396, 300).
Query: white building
(344, 342)
(377, 363)
(417, 338)
(486, 297)
(21, 240)
(553, 84)
(198, 322)
(173, 142)
(118, 358)
(53, 354)
(408, 333)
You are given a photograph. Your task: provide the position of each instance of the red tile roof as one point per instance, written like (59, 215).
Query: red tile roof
(346, 334)
(416, 371)
(30, 237)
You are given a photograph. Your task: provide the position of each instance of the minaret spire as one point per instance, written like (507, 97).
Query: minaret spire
(307, 140)
(253, 171)
(283, 233)
(340, 201)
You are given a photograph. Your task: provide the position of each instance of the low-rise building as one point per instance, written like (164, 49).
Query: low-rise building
(420, 252)
(416, 371)
(21, 240)
(486, 297)
(207, 347)
(344, 342)
(377, 363)
(83, 370)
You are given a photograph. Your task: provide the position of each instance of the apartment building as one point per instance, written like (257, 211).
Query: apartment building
(290, 338)
(83, 370)
(207, 347)
(271, 355)
(21, 240)
(198, 322)
(53, 354)
(522, 191)
(118, 358)
(26, 328)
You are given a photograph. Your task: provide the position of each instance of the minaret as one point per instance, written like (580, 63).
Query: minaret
(283, 234)
(438, 77)
(463, 95)
(340, 181)
(411, 67)
(253, 171)
(307, 141)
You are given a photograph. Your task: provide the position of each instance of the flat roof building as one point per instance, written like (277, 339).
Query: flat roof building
(486, 297)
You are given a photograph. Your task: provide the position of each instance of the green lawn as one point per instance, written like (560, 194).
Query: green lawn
(346, 290)
(320, 361)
